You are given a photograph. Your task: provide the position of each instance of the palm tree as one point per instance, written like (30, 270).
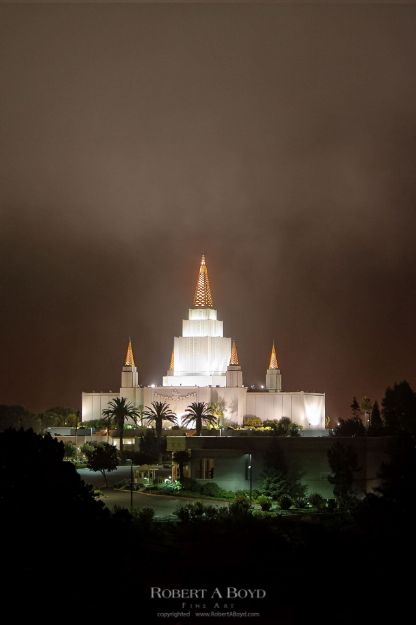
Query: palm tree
(199, 412)
(158, 412)
(119, 409)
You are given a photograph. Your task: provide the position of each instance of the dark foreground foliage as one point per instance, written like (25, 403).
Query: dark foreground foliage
(62, 552)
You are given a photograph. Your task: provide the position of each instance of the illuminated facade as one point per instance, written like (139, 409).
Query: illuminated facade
(204, 367)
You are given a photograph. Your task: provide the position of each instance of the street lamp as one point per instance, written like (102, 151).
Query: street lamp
(250, 468)
(131, 483)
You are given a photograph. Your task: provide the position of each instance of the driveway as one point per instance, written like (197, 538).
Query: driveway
(96, 479)
(163, 505)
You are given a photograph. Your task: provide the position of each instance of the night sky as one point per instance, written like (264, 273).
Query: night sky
(279, 140)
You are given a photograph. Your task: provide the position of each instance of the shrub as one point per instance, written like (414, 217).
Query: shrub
(171, 485)
(331, 505)
(264, 502)
(285, 502)
(146, 516)
(240, 507)
(301, 502)
(191, 512)
(211, 512)
(317, 501)
(295, 429)
(241, 493)
(190, 484)
(183, 514)
(211, 489)
(252, 422)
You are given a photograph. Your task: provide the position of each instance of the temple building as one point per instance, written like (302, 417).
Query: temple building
(205, 367)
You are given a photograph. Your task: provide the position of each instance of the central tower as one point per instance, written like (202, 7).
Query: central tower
(201, 355)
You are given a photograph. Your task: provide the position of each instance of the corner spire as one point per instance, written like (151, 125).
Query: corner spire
(172, 361)
(273, 359)
(129, 356)
(234, 355)
(203, 296)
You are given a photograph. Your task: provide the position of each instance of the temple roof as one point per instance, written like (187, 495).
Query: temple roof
(203, 296)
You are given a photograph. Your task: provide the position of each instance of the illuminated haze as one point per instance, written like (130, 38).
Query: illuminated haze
(278, 140)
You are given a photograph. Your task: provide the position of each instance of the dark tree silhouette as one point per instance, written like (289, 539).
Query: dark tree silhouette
(344, 465)
(150, 448)
(399, 408)
(181, 458)
(16, 417)
(44, 505)
(376, 424)
(349, 427)
(355, 409)
(390, 511)
(59, 416)
(398, 475)
(102, 457)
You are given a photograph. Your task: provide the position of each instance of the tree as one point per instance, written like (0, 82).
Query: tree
(399, 408)
(41, 491)
(70, 450)
(118, 411)
(282, 427)
(17, 417)
(158, 412)
(366, 406)
(317, 501)
(198, 413)
(286, 427)
(355, 409)
(59, 416)
(349, 427)
(344, 465)
(150, 448)
(102, 457)
(398, 475)
(376, 424)
(181, 458)
(280, 478)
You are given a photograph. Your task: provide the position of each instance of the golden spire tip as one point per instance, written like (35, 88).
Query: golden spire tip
(273, 359)
(234, 355)
(203, 295)
(129, 356)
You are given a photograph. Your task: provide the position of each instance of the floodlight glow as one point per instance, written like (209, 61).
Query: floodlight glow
(313, 413)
